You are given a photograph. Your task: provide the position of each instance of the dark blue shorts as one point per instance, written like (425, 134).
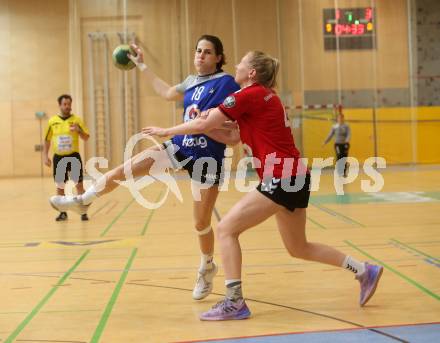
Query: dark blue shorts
(207, 171)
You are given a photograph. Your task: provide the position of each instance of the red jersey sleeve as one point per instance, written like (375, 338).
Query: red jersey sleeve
(235, 105)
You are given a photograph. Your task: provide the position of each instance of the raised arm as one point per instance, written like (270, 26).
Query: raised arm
(160, 86)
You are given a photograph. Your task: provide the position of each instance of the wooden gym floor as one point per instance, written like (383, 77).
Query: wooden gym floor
(127, 274)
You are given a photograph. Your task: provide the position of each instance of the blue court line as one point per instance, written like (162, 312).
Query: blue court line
(414, 251)
(337, 215)
(417, 253)
(417, 333)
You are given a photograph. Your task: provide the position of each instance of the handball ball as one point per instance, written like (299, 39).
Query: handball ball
(120, 58)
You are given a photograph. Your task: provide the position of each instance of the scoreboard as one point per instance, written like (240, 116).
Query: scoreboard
(349, 28)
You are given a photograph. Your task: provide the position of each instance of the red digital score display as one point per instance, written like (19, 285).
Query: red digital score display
(354, 26)
(347, 29)
(349, 22)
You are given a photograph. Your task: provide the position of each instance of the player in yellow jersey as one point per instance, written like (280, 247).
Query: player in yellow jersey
(63, 133)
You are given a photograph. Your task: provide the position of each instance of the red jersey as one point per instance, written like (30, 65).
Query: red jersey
(264, 130)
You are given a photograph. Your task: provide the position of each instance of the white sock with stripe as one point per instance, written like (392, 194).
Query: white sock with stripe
(353, 265)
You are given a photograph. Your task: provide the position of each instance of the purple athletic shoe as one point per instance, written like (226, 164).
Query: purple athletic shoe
(227, 310)
(369, 280)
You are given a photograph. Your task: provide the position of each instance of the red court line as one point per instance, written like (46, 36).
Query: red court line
(305, 332)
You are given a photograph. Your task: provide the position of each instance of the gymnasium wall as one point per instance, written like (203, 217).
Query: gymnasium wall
(358, 78)
(427, 54)
(155, 26)
(47, 44)
(33, 72)
(400, 138)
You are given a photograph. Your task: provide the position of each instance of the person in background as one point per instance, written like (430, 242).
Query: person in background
(342, 134)
(62, 134)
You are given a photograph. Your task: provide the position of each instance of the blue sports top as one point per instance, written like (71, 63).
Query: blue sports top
(203, 92)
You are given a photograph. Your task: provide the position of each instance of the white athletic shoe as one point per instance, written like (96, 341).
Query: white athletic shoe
(68, 203)
(204, 283)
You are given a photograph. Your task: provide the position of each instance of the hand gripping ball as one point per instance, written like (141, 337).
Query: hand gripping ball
(120, 58)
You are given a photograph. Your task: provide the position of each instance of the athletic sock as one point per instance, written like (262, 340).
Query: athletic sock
(233, 289)
(206, 262)
(353, 265)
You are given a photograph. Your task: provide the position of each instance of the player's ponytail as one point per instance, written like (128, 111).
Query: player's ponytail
(266, 68)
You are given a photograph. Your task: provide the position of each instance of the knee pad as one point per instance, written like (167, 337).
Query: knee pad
(204, 231)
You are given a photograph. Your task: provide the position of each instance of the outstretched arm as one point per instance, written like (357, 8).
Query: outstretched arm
(225, 136)
(203, 124)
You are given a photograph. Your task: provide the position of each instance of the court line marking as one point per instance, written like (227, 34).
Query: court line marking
(106, 314)
(119, 215)
(313, 332)
(100, 209)
(414, 249)
(147, 222)
(217, 214)
(36, 309)
(316, 223)
(48, 341)
(338, 215)
(357, 325)
(45, 299)
(108, 309)
(181, 269)
(406, 278)
(112, 207)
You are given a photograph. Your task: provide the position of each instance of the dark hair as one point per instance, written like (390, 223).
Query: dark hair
(218, 47)
(266, 68)
(64, 96)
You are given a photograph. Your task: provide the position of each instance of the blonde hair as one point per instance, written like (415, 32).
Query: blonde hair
(266, 68)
